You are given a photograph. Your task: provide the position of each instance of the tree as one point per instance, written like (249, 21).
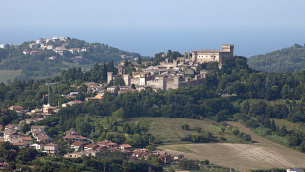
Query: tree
(25, 128)
(111, 66)
(171, 169)
(185, 127)
(25, 155)
(273, 126)
(139, 60)
(118, 113)
(80, 96)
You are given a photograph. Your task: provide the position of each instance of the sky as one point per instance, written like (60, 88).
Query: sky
(148, 26)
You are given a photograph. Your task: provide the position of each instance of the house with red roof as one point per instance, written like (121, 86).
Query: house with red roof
(100, 148)
(90, 147)
(77, 145)
(125, 147)
(27, 140)
(107, 143)
(73, 135)
(4, 166)
(16, 108)
(21, 144)
(51, 148)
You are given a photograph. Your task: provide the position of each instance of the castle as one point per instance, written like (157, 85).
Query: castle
(182, 72)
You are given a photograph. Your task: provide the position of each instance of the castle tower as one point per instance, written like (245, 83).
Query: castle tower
(194, 56)
(109, 76)
(120, 69)
(176, 82)
(175, 62)
(228, 48)
(161, 82)
(126, 78)
(187, 55)
(143, 80)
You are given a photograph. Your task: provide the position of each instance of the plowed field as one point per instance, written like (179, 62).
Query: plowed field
(262, 154)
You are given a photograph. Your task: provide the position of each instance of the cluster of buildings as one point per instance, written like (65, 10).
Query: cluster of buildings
(81, 147)
(182, 72)
(49, 44)
(36, 138)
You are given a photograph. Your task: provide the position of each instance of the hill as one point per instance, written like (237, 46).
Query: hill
(260, 155)
(288, 59)
(168, 130)
(47, 57)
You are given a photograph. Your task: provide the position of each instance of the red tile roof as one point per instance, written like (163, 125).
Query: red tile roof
(51, 144)
(126, 146)
(111, 143)
(102, 142)
(91, 146)
(78, 143)
(26, 138)
(100, 148)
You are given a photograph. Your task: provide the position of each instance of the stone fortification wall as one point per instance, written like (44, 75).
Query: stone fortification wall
(192, 82)
(135, 81)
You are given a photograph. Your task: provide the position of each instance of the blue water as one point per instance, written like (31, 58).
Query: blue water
(248, 41)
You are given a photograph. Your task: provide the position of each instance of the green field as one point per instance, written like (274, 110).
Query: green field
(298, 127)
(8, 74)
(168, 130)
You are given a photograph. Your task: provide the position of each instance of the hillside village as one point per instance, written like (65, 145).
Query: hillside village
(92, 115)
(182, 72)
(60, 46)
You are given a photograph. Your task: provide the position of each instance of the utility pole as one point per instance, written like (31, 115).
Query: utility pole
(48, 84)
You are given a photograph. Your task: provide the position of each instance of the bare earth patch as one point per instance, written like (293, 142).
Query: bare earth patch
(262, 154)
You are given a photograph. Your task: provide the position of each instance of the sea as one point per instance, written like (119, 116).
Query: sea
(147, 41)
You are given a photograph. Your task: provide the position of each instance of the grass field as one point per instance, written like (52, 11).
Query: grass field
(289, 125)
(262, 154)
(169, 130)
(8, 74)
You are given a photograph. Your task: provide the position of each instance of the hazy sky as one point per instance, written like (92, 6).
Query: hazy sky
(152, 26)
(152, 13)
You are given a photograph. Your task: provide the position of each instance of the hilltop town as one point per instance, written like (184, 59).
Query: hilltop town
(128, 113)
(30, 132)
(182, 72)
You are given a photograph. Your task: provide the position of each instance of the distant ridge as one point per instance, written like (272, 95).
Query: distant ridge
(48, 57)
(288, 59)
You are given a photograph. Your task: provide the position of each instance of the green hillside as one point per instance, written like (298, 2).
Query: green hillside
(288, 59)
(36, 61)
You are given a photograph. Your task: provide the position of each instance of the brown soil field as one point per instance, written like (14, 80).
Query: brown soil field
(261, 154)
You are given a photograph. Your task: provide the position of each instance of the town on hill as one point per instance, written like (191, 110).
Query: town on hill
(50, 56)
(111, 118)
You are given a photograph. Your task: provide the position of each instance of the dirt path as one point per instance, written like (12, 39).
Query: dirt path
(262, 154)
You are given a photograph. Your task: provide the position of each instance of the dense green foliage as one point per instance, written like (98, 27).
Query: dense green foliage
(288, 59)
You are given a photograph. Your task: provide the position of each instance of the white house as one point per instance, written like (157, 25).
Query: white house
(37, 146)
(295, 169)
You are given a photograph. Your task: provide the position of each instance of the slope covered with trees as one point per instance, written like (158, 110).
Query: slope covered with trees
(39, 64)
(235, 92)
(288, 59)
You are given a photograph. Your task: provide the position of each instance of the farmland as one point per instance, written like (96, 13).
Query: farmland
(260, 155)
(168, 130)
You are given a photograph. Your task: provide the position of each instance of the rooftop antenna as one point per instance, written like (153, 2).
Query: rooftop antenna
(48, 84)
